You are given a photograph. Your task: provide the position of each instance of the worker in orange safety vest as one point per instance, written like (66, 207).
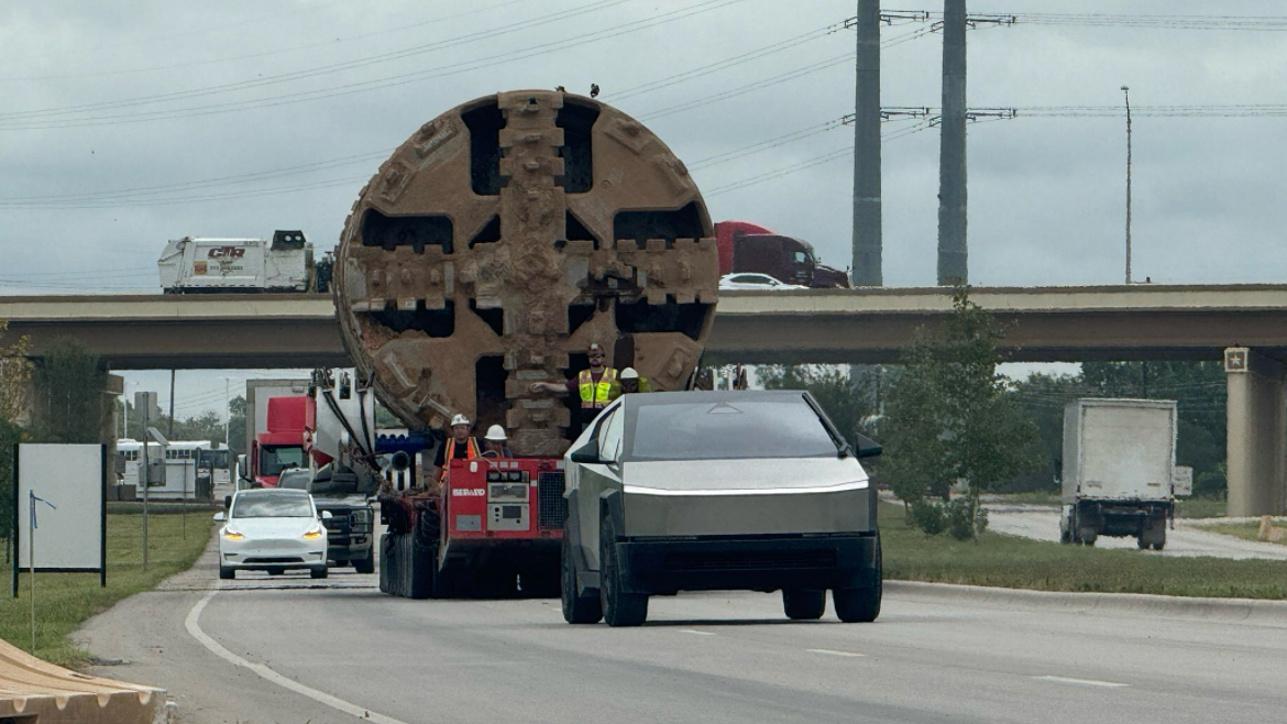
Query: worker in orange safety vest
(460, 445)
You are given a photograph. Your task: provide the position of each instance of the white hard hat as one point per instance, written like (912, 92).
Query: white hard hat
(459, 420)
(495, 433)
(629, 373)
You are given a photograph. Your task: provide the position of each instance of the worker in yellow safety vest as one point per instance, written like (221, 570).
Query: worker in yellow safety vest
(460, 445)
(632, 381)
(595, 386)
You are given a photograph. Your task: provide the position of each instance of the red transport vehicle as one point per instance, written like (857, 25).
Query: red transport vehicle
(494, 529)
(286, 442)
(747, 247)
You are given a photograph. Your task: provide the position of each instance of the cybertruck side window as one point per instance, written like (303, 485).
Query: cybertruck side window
(610, 435)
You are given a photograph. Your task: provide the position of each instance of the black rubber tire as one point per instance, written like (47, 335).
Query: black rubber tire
(1087, 536)
(862, 605)
(585, 608)
(1142, 542)
(226, 573)
(421, 569)
(366, 564)
(619, 608)
(803, 604)
(1159, 546)
(386, 565)
(275, 571)
(320, 572)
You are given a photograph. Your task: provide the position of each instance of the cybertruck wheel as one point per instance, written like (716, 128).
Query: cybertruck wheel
(803, 604)
(366, 564)
(861, 605)
(584, 608)
(619, 608)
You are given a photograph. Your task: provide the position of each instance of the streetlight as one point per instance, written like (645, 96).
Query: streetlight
(1126, 91)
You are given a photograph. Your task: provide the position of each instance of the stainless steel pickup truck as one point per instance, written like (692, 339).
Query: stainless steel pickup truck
(676, 491)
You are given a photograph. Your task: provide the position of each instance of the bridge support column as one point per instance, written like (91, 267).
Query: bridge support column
(1257, 433)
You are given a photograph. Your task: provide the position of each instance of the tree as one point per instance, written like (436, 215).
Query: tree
(15, 377)
(949, 418)
(237, 425)
(68, 404)
(829, 385)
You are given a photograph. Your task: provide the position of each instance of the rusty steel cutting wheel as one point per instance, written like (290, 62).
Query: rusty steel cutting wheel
(504, 237)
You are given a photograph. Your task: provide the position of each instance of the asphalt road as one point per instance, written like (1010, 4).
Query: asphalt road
(1186, 539)
(273, 647)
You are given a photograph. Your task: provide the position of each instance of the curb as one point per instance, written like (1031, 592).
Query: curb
(1248, 610)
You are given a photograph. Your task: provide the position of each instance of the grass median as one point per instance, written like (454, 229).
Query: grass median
(1012, 562)
(65, 600)
(1246, 531)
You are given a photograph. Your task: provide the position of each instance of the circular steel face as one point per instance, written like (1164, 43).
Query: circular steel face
(501, 240)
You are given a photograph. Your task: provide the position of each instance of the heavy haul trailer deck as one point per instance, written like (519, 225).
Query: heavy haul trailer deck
(494, 530)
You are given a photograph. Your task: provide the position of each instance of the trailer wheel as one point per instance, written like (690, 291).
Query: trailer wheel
(619, 608)
(861, 605)
(386, 566)
(1087, 536)
(584, 608)
(803, 604)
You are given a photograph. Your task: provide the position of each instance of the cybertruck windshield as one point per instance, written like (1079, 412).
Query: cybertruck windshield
(785, 427)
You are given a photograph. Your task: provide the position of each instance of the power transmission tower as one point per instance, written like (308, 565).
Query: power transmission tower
(952, 197)
(867, 224)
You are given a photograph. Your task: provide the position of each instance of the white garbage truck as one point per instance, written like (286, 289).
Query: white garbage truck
(1119, 471)
(225, 265)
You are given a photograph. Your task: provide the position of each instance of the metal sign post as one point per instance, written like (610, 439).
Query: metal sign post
(31, 557)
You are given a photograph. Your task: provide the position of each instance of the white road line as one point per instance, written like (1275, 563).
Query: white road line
(695, 632)
(1081, 682)
(192, 623)
(833, 652)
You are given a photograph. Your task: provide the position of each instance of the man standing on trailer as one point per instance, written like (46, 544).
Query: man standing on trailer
(460, 445)
(596, 386)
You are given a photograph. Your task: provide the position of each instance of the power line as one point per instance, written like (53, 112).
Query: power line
(828, 157)
(1259, 23)
(316, 70)
(403, 27)
(378, 83)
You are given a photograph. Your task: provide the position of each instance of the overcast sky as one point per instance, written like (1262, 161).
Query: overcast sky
(302, 100)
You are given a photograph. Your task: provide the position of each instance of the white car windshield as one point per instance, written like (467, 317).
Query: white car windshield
(729, 430)
(272, 505)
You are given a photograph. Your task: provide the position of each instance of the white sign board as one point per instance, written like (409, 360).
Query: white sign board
(1182, 480)
(70, 523)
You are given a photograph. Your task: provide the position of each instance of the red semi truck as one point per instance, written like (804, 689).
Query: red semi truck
(283, 444)
(747, 247)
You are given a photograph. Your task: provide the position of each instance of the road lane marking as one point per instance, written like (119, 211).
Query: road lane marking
(1081, 682)
(193, 625)
(833, 652)
(695, 632)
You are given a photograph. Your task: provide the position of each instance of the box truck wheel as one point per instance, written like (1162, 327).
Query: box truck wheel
(803, 604)
(619, 607)
(583, 608)
(1087, 536)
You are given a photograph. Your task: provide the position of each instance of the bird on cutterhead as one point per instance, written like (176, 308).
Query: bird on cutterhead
(594, 90)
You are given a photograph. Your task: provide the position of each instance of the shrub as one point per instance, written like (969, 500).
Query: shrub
(928, 516)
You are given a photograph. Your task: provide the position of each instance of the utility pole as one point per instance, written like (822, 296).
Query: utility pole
(867, 232)
(952, 267)
(170, 431)
(1127, 92)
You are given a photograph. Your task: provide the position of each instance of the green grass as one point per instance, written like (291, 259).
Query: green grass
(1033, 497)
(65, 600)
(1012, 562)
(1248, 531)
(1200, 508)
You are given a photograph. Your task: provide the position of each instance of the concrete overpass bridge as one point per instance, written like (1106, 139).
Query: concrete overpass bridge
(1246, 325)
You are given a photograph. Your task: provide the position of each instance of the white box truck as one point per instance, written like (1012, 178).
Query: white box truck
(1118, 470)
(283, 264)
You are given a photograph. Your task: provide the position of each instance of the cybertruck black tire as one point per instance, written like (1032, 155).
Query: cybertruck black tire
(619, 608)
(585, 608)
(802, 604)
(861, 605)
